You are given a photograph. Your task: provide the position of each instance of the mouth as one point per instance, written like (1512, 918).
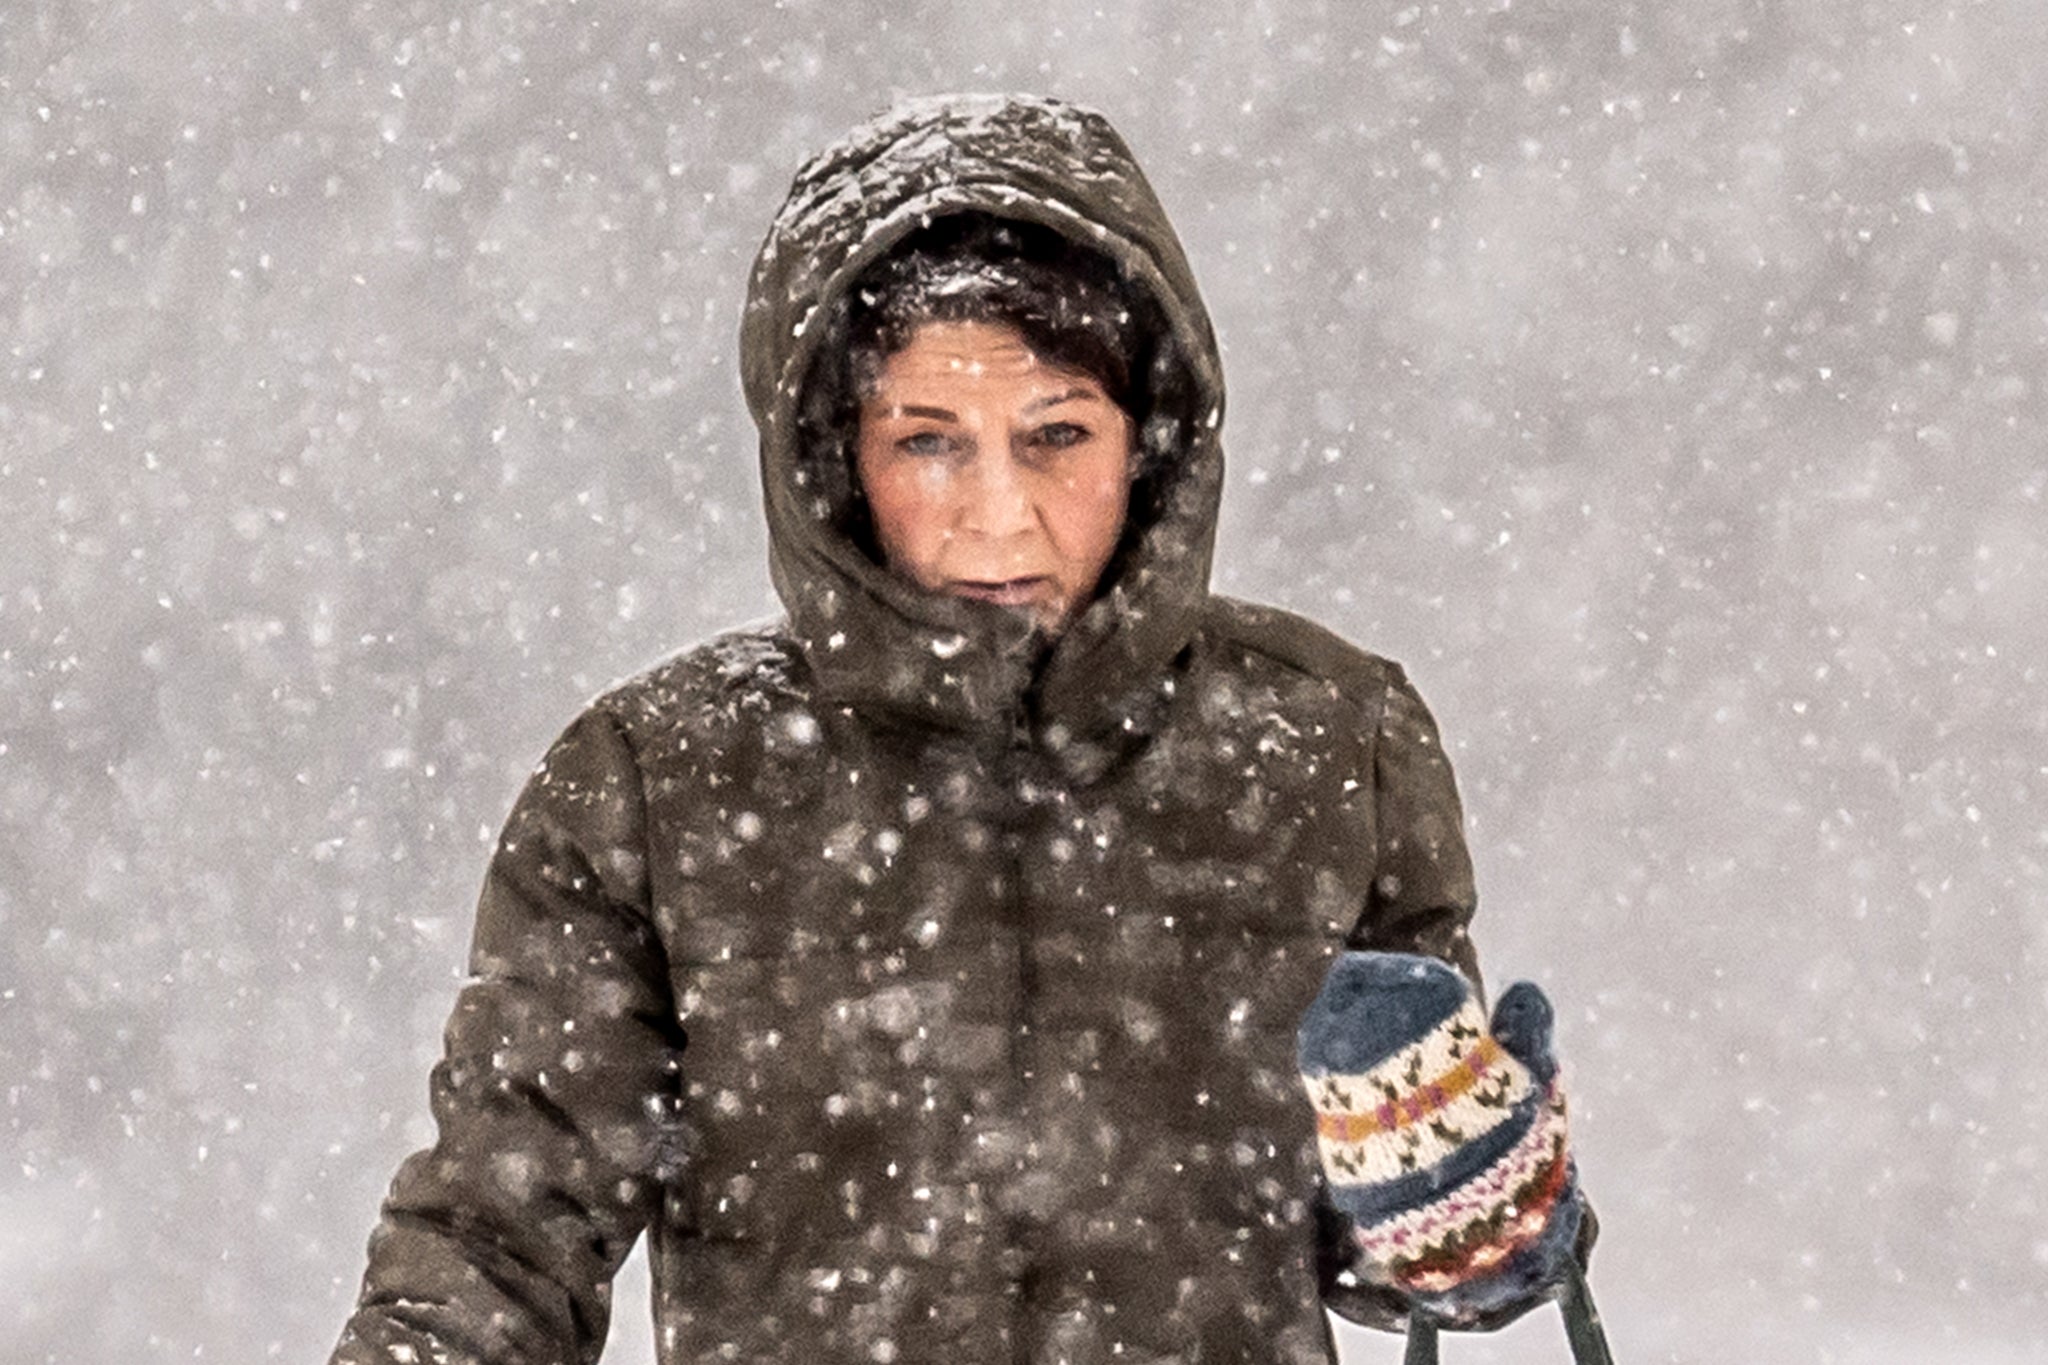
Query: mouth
(1007, 592)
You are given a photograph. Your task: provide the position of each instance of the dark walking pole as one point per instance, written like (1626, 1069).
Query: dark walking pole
(1421, 1343)
(1581, 1326)
(1582, 1320)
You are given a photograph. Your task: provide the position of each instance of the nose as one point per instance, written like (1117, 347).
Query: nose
(997, 498)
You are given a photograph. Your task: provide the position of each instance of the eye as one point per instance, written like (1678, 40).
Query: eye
(925, 443)
(1060, 435)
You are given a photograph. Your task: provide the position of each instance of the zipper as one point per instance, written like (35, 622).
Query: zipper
(1012, 774)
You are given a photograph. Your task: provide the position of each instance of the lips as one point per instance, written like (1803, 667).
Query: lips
(1008, 592)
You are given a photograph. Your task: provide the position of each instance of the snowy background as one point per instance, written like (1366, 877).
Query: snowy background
(1663, 383)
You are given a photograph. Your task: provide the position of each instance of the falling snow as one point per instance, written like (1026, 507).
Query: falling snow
(1663, 385)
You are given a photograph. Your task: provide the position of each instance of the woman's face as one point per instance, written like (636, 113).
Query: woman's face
(992, 474)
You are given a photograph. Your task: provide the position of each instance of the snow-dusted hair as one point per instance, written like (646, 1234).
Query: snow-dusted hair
(1069, 303)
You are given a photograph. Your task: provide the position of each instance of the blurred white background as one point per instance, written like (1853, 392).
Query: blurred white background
(1661, 383)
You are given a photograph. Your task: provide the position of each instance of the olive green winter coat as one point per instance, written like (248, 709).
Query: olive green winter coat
(927, 997)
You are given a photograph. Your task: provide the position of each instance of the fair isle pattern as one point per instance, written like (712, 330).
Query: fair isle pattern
(1442, 1134)
(1490, 1248)
(1371, 1133)
(1523, 1184)
(1393, 1114)
(1434, 1053)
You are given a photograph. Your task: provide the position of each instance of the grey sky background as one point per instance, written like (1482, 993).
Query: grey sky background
(1662, 384)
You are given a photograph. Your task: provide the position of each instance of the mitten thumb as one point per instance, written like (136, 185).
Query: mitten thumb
(1522, 1024)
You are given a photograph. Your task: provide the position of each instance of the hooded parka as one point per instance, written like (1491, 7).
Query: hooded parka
(925, 993)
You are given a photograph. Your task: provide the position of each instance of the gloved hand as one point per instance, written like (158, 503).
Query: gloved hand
(1443, 1144)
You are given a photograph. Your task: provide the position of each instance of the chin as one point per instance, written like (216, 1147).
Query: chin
(1052, 622)
(1046, 621)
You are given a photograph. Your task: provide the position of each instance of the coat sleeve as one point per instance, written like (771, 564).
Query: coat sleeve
(1421, 901)
(498, 1243)
(1422, 897)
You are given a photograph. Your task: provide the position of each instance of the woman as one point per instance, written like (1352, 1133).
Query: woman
(922, 973)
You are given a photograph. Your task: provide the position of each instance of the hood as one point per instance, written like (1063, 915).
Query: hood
(874, 640)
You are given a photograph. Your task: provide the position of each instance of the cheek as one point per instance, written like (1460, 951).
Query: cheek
(1088, 516)
(909, 503)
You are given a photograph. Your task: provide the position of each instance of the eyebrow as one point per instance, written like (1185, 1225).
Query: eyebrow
(948, 415)
(1056, 399)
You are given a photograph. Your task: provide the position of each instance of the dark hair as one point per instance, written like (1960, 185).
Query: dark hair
(1072, 305)
(1069, 303)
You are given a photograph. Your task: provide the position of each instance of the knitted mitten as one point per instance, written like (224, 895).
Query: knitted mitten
(1442, 1138)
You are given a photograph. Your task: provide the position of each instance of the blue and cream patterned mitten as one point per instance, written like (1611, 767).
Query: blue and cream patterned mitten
(1442, 1137)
